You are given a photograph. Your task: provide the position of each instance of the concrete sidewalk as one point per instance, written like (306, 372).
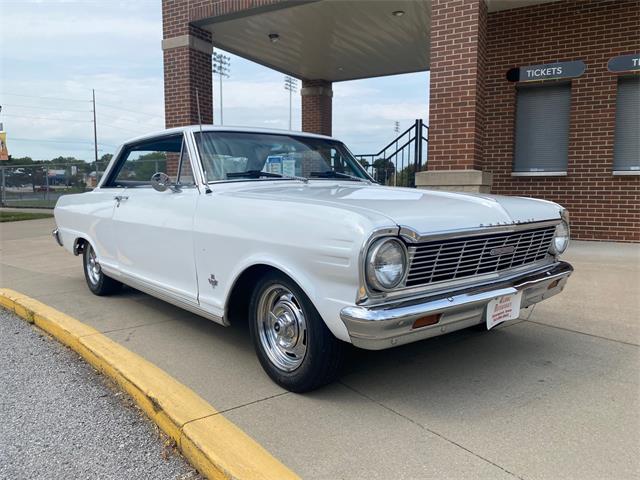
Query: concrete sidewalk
(553, 397)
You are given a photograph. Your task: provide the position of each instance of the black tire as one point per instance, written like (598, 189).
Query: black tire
(324, 355)
(97, 281)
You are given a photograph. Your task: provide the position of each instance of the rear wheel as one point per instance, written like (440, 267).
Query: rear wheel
(97, 281)
(292, 342)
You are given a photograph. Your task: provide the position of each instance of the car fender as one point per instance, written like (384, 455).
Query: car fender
(314, 287)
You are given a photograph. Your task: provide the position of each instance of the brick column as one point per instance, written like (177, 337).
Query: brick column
(457, 97)
(316, 106)
(187, 67)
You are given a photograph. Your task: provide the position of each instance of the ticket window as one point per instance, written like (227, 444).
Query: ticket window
(542, 129)
(626, 151)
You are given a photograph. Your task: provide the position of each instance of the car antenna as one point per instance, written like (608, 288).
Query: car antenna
(206, 184)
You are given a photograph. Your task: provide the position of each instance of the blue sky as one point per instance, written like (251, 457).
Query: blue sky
(53, 52)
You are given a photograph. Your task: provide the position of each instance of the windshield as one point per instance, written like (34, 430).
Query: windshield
(242, 156)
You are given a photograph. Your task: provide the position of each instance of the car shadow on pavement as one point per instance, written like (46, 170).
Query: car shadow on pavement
(466, 372)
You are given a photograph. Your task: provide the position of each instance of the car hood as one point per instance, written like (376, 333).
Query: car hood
(424, 211)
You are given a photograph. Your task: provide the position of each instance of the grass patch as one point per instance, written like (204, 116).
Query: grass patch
(8, 216)
(31, 203)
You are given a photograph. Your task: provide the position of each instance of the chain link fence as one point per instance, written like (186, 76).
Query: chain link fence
(41, 185)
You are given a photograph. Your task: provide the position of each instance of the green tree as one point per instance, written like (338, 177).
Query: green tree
(142, 168)
(383, 171)
(407, 177)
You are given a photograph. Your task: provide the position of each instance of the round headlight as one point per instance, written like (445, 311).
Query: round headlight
(386, 263)
(560, 240)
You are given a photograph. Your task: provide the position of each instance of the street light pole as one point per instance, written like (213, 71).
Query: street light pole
(221, 67)
(290, 84)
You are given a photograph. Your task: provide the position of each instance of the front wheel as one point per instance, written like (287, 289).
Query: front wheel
(97, 281)
(292, 342)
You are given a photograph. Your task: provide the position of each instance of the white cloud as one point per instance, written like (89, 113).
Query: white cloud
(65, 49)
(58, 25)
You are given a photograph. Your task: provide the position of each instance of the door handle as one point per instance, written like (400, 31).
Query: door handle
(120, 198)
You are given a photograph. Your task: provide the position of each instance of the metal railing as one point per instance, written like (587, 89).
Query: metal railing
(397, 163)
(40, 185)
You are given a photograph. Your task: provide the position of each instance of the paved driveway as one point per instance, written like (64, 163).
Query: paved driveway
(554, 397)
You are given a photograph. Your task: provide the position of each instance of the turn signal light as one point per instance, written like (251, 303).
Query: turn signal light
(427, 320)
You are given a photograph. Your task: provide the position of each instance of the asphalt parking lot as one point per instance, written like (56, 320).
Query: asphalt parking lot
(557, 396)
(61, 419)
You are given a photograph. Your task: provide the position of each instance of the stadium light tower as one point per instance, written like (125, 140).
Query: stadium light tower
(222, 68)
(290, 84)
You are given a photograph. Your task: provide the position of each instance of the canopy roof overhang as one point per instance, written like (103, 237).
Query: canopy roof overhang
(334, 40)
(328, 39)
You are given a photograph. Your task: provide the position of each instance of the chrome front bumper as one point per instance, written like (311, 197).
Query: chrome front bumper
(385, 326)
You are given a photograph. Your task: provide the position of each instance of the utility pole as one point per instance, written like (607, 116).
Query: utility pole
(95, 130)
(221, 67)
(290, 84)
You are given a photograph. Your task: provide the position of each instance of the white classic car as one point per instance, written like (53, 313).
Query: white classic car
(287, 230)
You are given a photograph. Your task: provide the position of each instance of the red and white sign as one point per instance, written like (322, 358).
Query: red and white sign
(502, 309)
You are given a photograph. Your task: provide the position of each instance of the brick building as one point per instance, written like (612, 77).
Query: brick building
(528, 97)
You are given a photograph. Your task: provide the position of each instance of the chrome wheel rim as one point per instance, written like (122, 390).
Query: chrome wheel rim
(282, 328)
(93, 267)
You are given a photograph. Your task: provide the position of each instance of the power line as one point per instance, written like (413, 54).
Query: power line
(44, 107)
(51, 119)
(45, 98)
(80, 101)
(137, 122)
(33, 140)
(126, 110)
(120, 128)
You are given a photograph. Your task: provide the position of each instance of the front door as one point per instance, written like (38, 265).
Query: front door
(154, 230)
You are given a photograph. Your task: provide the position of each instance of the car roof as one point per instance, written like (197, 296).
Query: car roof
(216, 128)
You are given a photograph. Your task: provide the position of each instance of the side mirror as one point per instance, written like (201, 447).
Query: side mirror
(161, 182)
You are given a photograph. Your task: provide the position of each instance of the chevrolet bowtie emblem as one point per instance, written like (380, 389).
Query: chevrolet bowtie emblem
(502, 250)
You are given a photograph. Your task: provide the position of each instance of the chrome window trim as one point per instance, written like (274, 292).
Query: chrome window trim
(192, 135)
(107, 171)
(196, 164)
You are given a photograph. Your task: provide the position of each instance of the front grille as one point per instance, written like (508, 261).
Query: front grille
(455, 258)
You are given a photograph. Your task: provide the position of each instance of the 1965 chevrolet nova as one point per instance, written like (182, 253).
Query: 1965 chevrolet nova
(288, 231)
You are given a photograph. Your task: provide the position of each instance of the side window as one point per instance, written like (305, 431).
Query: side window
(141, 160)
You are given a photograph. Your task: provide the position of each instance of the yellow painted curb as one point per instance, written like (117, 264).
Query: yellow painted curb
(213, 444)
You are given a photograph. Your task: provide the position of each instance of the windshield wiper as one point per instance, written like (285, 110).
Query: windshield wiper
(334, 174)
(260, 173)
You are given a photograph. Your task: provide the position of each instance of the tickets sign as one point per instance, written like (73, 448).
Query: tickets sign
(624, 63)
(547, 71)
